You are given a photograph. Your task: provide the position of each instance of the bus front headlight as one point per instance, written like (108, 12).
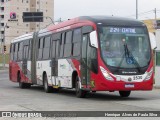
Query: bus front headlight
(106, 74)
(149, 74)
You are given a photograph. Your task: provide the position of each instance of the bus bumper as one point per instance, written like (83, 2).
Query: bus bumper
(123, 86)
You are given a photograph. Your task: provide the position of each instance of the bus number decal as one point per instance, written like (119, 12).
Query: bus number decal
(137, 77)
(114, 30)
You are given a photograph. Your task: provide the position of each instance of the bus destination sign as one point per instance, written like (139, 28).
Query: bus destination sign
(122, 30)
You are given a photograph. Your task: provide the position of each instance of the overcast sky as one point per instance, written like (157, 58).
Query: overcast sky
(67, 9)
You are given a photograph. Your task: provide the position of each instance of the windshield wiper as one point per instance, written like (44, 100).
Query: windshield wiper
(130, 58)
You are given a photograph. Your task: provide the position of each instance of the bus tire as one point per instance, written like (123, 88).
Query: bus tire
(55, 90)
(124, 93)
(79, 92)
(27, 85)
(47, 89)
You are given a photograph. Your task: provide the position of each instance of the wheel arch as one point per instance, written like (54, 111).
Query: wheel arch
(74, 75)
(44, 73)
(18, 73)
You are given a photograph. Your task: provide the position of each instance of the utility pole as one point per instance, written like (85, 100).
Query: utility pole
(136, 9)
(155, 12)
(155, 21)
(4, 57)
(39, 11)
(1, 36)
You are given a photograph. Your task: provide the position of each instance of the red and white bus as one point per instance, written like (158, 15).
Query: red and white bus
(90, 53)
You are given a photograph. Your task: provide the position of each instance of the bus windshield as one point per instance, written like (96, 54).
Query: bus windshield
(125, 47)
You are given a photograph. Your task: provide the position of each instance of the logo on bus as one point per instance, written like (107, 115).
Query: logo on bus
(129, 79)
(63, 66)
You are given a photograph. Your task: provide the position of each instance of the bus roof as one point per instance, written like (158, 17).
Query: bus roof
(111, 20)
(106, 20)
(23, 37)
(101, 20)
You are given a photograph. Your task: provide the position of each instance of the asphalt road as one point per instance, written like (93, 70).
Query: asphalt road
(12, 98)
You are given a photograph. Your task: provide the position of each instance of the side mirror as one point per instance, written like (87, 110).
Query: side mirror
(94, 62)
(93, 39)
(152, 41)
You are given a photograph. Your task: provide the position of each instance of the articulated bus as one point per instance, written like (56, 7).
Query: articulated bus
(88, 54)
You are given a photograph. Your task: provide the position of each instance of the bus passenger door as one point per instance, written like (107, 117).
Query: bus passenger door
(85, 72)
(24, 64)
(54, 62)
(24, 67)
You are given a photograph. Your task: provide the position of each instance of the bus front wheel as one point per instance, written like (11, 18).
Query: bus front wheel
(79, 92)
(124, 93)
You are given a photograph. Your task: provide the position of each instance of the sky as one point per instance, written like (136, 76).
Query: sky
(67, 9)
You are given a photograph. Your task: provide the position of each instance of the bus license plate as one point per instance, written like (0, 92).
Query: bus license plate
(129, 85)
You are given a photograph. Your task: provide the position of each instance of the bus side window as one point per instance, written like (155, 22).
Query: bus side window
(11, 48)
(25, 49)
(62, 45)
(57, 48)
(56, 40)
(11, 51)
(77, 39)
(25, 52)
(14, 48)
(53, 49)
(92, 57)
(20, 50)
(40, 48)
(89, 54)
(68, 44)
(29, 54)
(46, 49)
(16, 52)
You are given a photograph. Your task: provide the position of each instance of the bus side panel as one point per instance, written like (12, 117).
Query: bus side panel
(28, 71)
(10, 71)
(65, 70)
(43, 67)
(76, 65)
(16, 67)
(39, 72)
(13, 71)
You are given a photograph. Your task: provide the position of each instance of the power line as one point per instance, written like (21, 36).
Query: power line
(141, 13)
(155, 11)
